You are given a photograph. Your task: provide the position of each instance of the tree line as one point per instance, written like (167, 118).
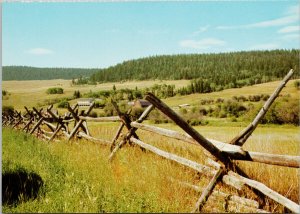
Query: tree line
(223, 69)
(34, 73)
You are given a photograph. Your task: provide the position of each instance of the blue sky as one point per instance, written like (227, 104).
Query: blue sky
(102, 34)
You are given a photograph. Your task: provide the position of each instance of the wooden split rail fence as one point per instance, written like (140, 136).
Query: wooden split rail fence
(221, 161)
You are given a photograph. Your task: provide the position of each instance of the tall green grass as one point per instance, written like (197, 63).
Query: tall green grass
(78, 178)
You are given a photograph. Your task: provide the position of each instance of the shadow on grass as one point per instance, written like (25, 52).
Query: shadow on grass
(20, 186)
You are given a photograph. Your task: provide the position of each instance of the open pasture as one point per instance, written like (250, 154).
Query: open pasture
(30, 93)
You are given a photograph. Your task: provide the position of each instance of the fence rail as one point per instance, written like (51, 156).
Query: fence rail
(48, 125)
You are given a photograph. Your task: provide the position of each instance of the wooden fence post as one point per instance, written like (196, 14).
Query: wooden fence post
(187, 128)
(208, 190)
(79, 124)
(245, 134)
(127, 122)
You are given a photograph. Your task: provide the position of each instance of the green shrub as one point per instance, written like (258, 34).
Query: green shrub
(136, 112)
(93, 114)
(109, 110)
(76, 94)
(297, 84)
(63, 104)
(7, 109)
(100, 104)
(183, 111)
(4, 92)
(55, 90)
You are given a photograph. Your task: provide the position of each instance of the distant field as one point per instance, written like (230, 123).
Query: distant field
(265, 88)
(30, 93)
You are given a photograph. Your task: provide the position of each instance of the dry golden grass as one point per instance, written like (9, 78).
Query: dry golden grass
(275, 140)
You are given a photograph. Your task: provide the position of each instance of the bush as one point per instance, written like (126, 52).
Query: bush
(76, 94)
(157, 117)
(136, 112)
(4, 92)
(254, 98)
(63, 104)
(282, 111)
(93, 114)
(109, 110)
(8, 109)
(242, 98)
(297, 84)
(183, 111)
(264, 97)
(55, 91)
(203, 111)
(100, 104)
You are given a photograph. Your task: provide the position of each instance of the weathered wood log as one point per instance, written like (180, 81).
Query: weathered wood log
(145, 114)
(233, 151)
(27, 125)
(46, 132)
(18, 122)
(219, 194)
(223, 147)
(93, 139)
(113, 142)
(236, 207)
(244, 135)
(79, 124)
(55, 133)
(183, 161)
(36, 125)
(100, 119)
(272, 159)
(208, 190)
(212, 163)
(268, 192)
(84, 123)
(127, 122)
(116, 148)
(233, 181)
(50, 126)
(187, 128)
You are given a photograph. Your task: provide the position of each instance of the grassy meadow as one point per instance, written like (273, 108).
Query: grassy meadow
(77, 176)
(33, 93)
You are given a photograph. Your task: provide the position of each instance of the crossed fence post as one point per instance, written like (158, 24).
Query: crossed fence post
(131, 130)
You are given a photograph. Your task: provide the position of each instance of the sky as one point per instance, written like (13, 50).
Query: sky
(102, 34)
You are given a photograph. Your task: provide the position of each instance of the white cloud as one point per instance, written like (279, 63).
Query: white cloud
(293, 9)
(202, 44)
(291, 37)
(201, 30)
(290, 16)
(289, 29)
(269, 23)
(266, 46)
(39, 51)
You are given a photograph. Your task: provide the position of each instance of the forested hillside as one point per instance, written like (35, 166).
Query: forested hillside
(33, 73)
(218, 69)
